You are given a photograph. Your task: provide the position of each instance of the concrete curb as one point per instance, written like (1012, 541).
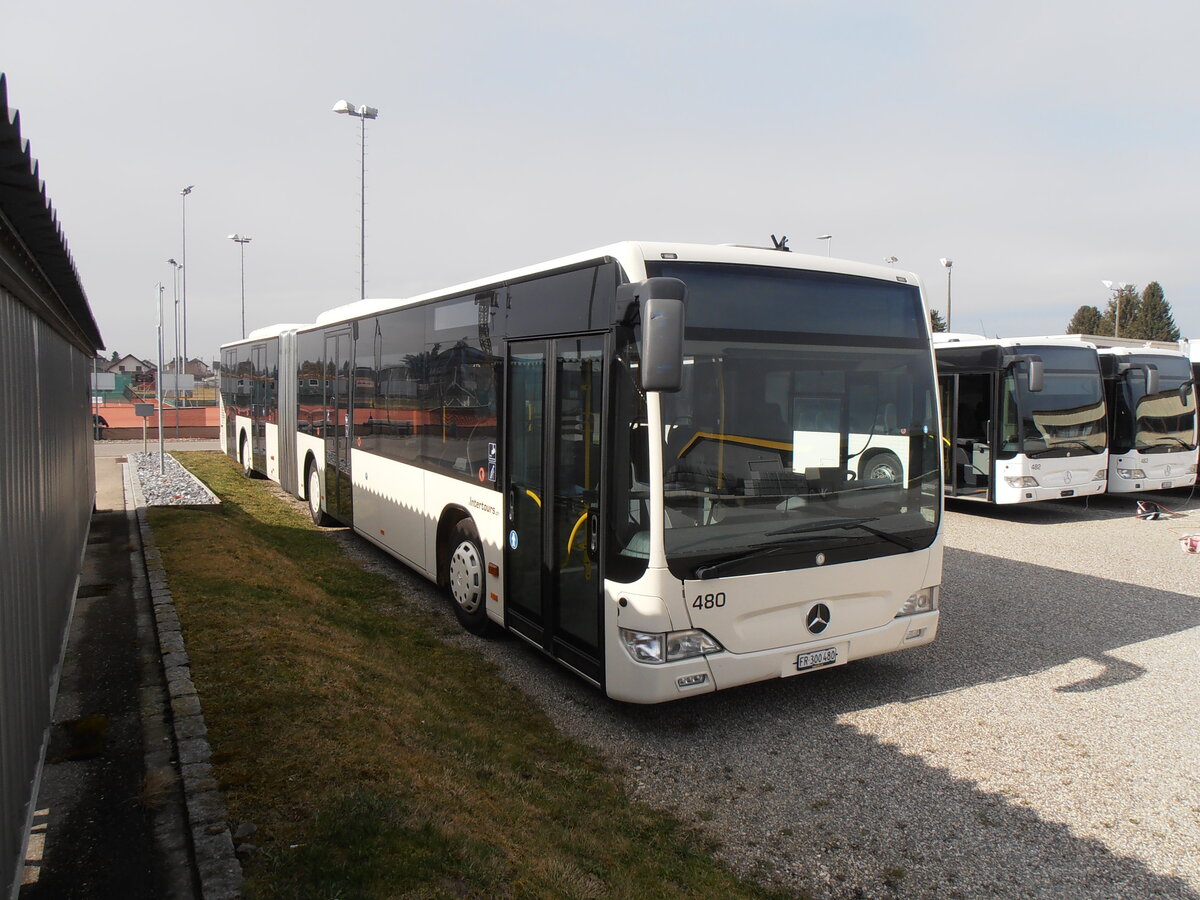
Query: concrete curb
(217, 865)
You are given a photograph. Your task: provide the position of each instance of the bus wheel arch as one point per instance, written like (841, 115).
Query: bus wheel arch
(462, 569)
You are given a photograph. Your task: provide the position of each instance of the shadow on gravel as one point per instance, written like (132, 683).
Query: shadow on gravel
(1050, 512)
(860, 817)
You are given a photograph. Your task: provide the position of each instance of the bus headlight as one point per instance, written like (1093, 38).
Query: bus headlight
(924, 600)
(1130, 473)
(1021, 481)
(1189, 470)
(1101, 475)
(647, 647)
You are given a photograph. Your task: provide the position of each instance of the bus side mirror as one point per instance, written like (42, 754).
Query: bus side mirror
(1151, 379)
(662, 334)
(1037, 374)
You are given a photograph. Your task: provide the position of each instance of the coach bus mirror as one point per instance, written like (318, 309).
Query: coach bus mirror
(1037, 374)
(662, 342)
(1151, 379)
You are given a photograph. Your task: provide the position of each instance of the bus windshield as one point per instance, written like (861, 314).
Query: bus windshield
(1165, 421)
(805, 432)
(1066, 417)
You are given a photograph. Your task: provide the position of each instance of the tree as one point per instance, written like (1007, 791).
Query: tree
(115, 357)
(1121, 314)
(1154, 321)
(936, 322)
(1087, 320)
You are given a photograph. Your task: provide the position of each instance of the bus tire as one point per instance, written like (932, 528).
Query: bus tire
(313, 486)
(244, 457)
(883, 466)
(466, 578)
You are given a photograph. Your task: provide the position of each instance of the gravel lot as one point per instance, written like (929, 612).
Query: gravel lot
(1045, 746)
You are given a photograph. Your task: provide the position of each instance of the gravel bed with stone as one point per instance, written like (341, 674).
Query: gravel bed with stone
(1045, 746)
(173, 486)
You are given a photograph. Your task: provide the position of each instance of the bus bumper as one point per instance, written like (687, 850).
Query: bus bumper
(660, 683)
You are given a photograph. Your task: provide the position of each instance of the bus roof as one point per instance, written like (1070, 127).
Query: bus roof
(943, 339)
(268, 331)
(632, 256)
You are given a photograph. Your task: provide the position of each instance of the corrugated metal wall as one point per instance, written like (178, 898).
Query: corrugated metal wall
(48, 338)
(47, 484)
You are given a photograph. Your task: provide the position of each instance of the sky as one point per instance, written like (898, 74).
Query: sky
(1042, 146)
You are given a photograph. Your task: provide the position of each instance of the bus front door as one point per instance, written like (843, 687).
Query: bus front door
(339, 425)
(258, 410)
(950, 459)
(554, 419)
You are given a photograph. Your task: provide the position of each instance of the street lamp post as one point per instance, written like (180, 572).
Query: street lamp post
(346, 108)
(158, 380)
(183, 194)
(949, 266)
(1118, 288)
(242, 240)
(829, 246)
(177, 266)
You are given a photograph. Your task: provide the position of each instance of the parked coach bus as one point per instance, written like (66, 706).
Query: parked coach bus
(1023, 418)
(1151, 419)
(639, 459)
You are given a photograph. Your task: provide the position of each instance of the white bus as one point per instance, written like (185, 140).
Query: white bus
(1151, 397)
(614, 455)
(1023, 418)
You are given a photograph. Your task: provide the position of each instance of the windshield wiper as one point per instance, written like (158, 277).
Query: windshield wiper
(799, 534)
(1036, 453)
(712, 569)
(821, 526)
(851, 523)
(1169, 437)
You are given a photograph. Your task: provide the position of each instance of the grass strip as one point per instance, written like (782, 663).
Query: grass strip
(376, 760)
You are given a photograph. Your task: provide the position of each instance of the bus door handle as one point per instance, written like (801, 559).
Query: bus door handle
(593, 533)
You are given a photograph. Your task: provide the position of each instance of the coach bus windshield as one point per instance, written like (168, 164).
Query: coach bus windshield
(1065, 418)
(806, 430)
(1162, 422)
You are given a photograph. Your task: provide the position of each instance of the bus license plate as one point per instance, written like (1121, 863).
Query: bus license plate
(1167, 484)
(816, 658)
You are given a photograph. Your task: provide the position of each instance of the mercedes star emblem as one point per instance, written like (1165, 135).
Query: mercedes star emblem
(817, 619)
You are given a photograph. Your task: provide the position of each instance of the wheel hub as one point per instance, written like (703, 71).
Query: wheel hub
(466, 577)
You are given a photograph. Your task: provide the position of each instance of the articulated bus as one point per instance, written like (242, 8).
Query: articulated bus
(645, 460)
(1151, 419)
(1023, 418)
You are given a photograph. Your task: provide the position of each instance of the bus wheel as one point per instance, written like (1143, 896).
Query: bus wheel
(883, 467)
(465, 577)
(244, 458)
(314, 497)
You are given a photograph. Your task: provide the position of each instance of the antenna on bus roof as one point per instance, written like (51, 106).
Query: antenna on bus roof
(781, 243)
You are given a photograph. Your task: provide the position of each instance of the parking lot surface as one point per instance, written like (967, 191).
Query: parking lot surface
(1044, 746)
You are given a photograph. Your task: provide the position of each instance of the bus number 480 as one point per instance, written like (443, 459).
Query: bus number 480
(709, 601)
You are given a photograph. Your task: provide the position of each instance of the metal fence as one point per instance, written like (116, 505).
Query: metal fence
(47, 472)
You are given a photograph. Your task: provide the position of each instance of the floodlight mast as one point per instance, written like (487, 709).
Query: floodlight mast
(948, 264)
(183, 195)
(1118, 288)
(242, 241)
(362, 113)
